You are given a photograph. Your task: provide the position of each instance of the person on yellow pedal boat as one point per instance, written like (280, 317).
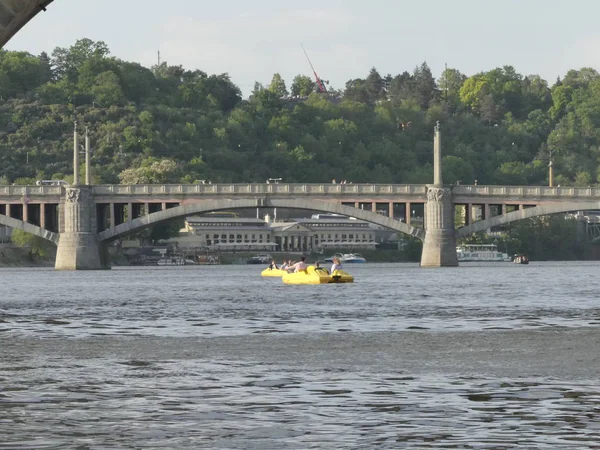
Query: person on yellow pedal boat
(300, 265)
(337, 265)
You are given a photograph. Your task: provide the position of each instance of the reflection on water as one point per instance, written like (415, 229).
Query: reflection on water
(484, 357)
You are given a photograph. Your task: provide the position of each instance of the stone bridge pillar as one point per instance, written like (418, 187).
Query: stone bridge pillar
(439, 247)
(78, 246)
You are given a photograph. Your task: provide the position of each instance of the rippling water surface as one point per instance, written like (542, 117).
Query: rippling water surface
(496, 356)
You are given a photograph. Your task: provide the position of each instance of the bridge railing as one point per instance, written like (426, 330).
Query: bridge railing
(528, 191)
(310, 188)
(30, 190)
(252, 189)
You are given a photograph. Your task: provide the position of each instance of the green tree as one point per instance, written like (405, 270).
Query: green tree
(583, 179)
(37, 246)
(302, 86)
(425, 88)
(166, 230)
(473, 90)
(67, 61)
(20, 72)
(356, 90)
(107, 90)
(151, 171)
(450, 83)
(401, 88)
(374, 85)
(277, 86)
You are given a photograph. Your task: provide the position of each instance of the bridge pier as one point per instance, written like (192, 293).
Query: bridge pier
(79, 247)
(439, 246)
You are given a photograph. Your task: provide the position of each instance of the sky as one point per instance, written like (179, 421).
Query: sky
(252, 40)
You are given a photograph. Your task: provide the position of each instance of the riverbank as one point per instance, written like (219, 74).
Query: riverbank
(13, 256)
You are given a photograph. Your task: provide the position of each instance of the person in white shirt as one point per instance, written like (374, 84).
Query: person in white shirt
(337, 265)
(300, 265)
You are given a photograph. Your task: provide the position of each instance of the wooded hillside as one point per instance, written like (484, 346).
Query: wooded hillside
(169, 124)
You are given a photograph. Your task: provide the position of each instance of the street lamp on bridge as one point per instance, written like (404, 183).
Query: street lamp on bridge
(550, 170)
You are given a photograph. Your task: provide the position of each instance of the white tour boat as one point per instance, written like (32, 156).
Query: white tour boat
(353, 258)
(347, 258)
(481, 253)
(260, 259)
(171, 261)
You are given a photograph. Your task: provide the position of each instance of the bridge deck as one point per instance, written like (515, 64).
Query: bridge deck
(357, 192)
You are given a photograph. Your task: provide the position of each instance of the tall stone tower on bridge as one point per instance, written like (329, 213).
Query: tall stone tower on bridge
(439, 246)
(78, 246)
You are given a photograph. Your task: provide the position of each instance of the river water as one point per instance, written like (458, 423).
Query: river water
(478, 357)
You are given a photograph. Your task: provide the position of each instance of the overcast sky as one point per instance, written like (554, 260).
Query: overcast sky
(252, 40)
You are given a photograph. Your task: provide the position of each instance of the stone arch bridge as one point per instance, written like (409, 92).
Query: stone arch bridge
(82, 220)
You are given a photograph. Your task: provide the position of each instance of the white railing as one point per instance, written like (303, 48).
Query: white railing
(252, 189)
(15, 191)
(528, 191)
(326, 189)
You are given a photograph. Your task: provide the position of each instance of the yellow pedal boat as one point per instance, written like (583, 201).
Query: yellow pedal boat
(272, 273)
(319, 275)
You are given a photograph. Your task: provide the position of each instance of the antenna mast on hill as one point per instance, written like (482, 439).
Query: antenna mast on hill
(319, 81)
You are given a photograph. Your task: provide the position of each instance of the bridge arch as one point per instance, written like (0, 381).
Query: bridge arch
(29, 228)
(16, 14)
(544, 210)
(216, 205)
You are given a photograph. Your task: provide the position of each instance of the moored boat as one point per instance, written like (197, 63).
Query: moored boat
(481, 253)
(317, 275)
(347, 258)
(260, 259)
(353, 258)
(520, 259)
(171, 261)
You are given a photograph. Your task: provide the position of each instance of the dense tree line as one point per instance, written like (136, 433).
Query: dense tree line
(169, 124)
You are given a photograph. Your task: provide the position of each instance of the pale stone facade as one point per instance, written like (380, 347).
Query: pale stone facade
(238, 234)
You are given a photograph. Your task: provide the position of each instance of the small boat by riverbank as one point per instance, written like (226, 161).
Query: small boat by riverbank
(175, 261)
(317, 275)
(481, 253)
(260, 259)
(171, 261)
(208, 259)
(520, 259)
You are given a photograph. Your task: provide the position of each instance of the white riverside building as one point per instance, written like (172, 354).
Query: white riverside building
(294, 235)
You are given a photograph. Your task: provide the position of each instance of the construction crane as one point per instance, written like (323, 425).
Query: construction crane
(320, 84)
